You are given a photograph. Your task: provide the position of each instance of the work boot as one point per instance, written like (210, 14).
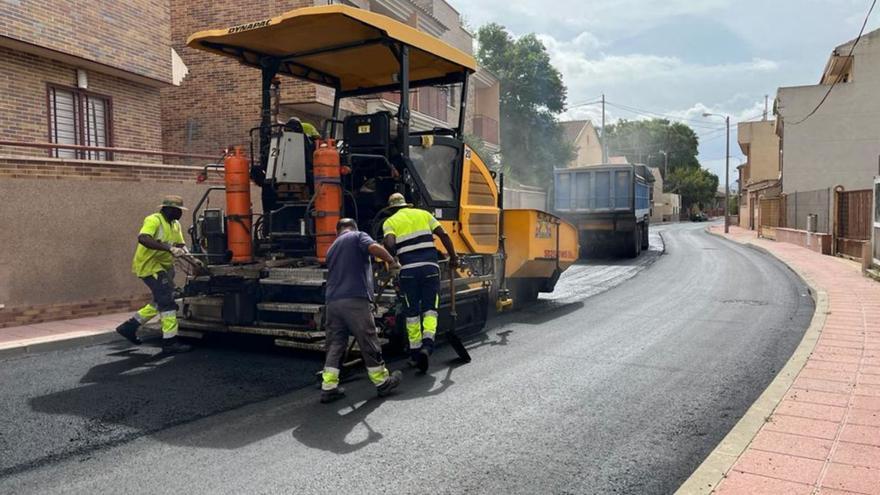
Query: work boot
(128, 329)
(175, 346)
(428, 346)
(334, 394)
(389, 384)
(422, 361)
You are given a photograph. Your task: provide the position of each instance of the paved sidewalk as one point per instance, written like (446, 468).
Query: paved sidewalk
(824, 436)
(27, 336)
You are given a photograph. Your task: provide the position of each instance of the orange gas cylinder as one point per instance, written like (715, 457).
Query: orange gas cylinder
(238, 206)
(328, 195)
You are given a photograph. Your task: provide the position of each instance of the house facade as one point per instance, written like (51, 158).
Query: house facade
(89, 74)
(759, 176)
(585, 140)
(833, 145)
(666, 207)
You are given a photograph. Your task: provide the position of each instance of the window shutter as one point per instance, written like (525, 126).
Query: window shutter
(62, 121)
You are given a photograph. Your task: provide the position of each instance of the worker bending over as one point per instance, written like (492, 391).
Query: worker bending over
(349, 309)
(159, 242)
(409, 233)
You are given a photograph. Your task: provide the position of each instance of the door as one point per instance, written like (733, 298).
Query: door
(875, 232)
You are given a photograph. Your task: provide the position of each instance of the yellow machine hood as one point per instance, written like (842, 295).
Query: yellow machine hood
(337, 46)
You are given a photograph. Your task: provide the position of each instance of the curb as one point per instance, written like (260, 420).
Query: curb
(71, 342)
(717, 464)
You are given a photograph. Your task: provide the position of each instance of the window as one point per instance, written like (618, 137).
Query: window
(81, 118)
(451, 96)
(436, 168)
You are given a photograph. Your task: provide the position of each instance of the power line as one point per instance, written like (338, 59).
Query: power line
(842, 72)
(649, 113)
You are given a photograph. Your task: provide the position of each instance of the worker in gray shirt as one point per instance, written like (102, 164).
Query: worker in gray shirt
(349, 299)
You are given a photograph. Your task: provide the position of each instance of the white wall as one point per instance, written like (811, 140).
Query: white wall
(839, 144)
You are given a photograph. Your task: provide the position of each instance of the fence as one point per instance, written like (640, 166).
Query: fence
(769, 217)
(853, 221)
(799, 205)
(525, 197)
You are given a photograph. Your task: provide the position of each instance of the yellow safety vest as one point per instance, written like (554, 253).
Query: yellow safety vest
(148, 262)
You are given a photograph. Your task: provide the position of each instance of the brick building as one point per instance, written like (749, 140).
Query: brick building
(218, 102)
(88, 73)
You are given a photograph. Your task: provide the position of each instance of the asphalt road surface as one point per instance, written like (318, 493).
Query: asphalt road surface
(622, 381)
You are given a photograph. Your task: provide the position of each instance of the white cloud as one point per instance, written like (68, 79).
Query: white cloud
(766, 45)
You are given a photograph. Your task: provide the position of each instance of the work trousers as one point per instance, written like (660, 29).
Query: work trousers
(351, 317)
(162, 287)
(421, 293)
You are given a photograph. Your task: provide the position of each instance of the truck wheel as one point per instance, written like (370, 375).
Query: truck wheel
(646, 242)
(632, 244)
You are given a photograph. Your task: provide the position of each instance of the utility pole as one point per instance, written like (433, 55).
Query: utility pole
(604, 140)
(766, 104)
(727, 179)
(726, 171)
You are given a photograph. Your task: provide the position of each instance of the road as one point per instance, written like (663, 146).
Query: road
(622, 381)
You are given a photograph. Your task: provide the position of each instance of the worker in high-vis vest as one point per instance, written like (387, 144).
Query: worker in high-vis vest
(160, 240)
(409, 233)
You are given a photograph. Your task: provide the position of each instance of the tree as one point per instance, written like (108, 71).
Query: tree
(641, 141)
(532, 95)
(697, 186)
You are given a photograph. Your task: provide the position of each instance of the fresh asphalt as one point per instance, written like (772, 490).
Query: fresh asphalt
(621, 381)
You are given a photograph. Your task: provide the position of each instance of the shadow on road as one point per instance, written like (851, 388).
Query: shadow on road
(327, 427)
(142, 392)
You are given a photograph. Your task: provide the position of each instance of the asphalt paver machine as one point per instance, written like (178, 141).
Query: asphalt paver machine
(265, 272)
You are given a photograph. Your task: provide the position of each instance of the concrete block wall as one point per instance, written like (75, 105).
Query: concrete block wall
(71, 229)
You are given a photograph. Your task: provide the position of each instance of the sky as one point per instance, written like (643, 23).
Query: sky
(680, 57)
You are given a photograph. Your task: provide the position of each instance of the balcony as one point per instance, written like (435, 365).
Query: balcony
(486, 128)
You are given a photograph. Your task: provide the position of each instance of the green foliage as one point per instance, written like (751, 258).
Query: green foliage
(641, 141)
(532, 95)
(697, 186)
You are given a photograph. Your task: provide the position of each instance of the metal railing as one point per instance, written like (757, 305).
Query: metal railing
(106, 149)
(486, 128)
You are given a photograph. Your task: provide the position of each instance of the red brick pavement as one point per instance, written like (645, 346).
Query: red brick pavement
(824, 437)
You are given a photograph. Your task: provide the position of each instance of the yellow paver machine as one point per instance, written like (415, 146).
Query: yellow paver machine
(264, 273)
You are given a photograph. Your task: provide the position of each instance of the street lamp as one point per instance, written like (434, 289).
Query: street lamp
(665, 167)
(726, 171)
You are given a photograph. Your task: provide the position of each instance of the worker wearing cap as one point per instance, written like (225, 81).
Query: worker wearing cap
(409, 233)
(160, 240)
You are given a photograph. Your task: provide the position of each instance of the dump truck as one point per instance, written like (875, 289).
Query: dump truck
(610, 204)
(264, 272)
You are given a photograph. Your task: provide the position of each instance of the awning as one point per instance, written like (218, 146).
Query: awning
(338, 45)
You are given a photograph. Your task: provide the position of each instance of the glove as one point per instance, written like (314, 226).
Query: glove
(177, 251)
(453, 261)
(394, 269)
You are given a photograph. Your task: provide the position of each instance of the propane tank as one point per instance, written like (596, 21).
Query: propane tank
(238, 206)
(328, 195)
